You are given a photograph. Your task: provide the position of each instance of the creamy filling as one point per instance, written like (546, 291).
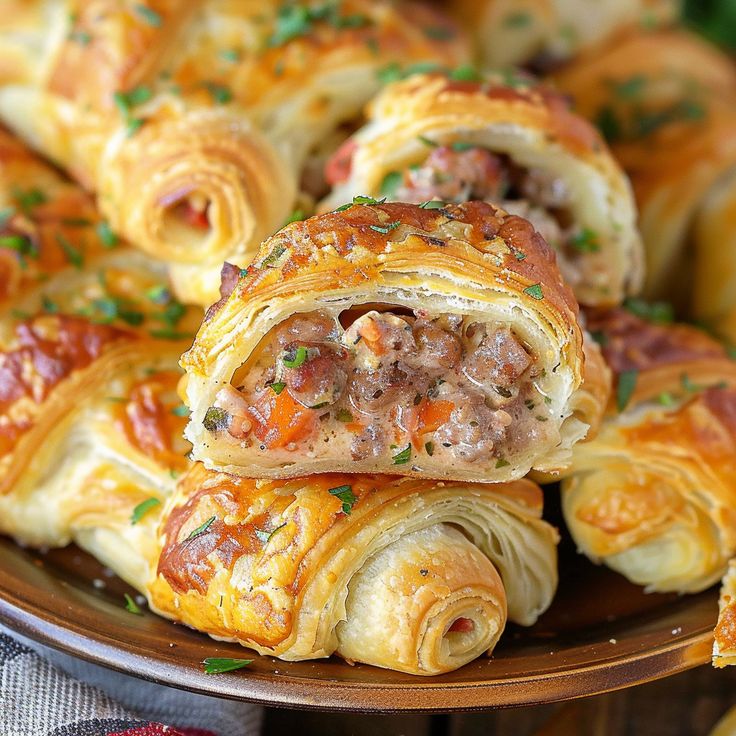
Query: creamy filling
(462, 172)
(384, 386)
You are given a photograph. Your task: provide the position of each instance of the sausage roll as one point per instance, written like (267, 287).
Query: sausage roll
(191, 119)
(430, 137)
(654, 494)
(666, 103)
(412, 575)
(724, 643)
(543, 33)
(438, 342)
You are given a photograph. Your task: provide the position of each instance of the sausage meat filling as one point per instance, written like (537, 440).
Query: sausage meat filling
(403, 388)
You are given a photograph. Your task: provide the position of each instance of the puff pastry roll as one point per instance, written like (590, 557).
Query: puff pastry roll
(724, 643)
(393, 338)
(412, 575)
(666, 103)
(653, 496)
(192, 119)
(430, 137)
(544, 33)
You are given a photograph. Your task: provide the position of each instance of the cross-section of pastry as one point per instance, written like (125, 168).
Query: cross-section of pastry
(544, 33)
(191, 120)
(408, 574)
(665, 101)
(724, 643)
(653, 495)
(438, 342)
(519, 146)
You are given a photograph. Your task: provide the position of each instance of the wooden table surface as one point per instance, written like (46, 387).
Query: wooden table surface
(688, 704)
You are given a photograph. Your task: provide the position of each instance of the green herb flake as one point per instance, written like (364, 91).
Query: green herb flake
(666, 399)
(586, 241)
(299, 357)
(131, 606)
(143, 508)
(429, 448)
(517, 20)
(432, 204)
(461, 146)
(6, 214)
(402, 457)
(277, 387)
(218, 665)
(390, 73)
(19, 244)
(465, 73)
(220, 93)
(534, 291)
(81, 37)
(656, 312)
(265, 536)
(27, 199)
(502, 463)
(391, 183)
(180, 411)
(600, 337)
(439, 33)
(385, 229)
(296, 216)
(625, 388)
(688, 385)
(150, 16)
(630, 88)
(106, 235)
(201, 529)
(49, 306)
(343, 415)
(72, 253)
(292, 21)
(272, 258)
(427, 141)
(609, 124)
(231, 55)
(360, 199)
(159, 294)
(216, 419)
(346, 496)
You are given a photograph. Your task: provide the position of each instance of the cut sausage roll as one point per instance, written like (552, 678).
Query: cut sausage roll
(438, 342)
(430, 137)
(412, 575)
(665, 102)
(191, 120)
(653, 495)
(543, 33)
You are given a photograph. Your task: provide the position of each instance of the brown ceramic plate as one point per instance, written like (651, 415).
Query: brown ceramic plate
(601, 634)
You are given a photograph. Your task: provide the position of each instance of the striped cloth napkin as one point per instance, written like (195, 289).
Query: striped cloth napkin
(46, 693)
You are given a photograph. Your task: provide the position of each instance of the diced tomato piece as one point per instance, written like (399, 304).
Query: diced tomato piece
(426, 417)
(195, 217)
(463, 625)
(337, 168)
(280, 420)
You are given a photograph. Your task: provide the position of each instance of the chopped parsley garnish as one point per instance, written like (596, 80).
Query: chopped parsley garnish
(265, 536)
(112, 308)
(465, 73)
(126, 101)
(402, 457)
(6, 214)
(294, 20)
(80, 37)
(517, 20)
(656, 312)
(630, 88)
(439, 33)
(393, 72)
(432, 204)
(502, 463)
(600, 337)
(295, 358)
(608, 124)
(390, 73)
(131, 606)
(28, 199)
(360, 199)
(272, 258)
(180, 411)
(219, 92)
(429, 448)
(76, 222)
(688, 385)
(586, 241)
(19, 244)
(218, 665)
(666, 399)
(49, 306)
(346, 496)
(385, 229)
(534, 291)
(149, 15)
(143, 508)
(277, 387)
(427, 141)
(216, 419)
(343, 415)
(518, 254)
(232, 55)
(106, 235)
(296, 216)
(201, 529)
(625, 388)
(461, 146)
(391, 182)
(72, 253)
(159, 294)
